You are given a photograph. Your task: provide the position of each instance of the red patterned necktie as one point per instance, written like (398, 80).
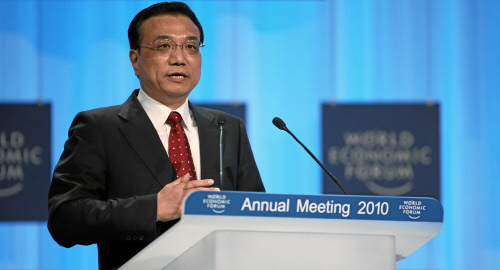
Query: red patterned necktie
(179, 151)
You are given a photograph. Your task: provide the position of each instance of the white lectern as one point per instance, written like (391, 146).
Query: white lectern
(240, 230)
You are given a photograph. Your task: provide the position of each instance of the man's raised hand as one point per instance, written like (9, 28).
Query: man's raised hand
(170, 198)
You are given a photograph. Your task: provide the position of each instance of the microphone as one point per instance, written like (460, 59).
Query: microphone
(221, 119)
(281, 125)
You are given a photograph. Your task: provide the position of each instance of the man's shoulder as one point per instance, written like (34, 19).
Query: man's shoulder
(101, 114)
(115, 113)
(129, 108)
(104, 111)
(101, 118)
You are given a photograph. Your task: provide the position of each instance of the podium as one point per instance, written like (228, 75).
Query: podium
(245, 230)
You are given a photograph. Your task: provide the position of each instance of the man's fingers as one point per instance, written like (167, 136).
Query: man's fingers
(188, 191)
(181, 179)
(198, 183)
(206, 189)
(185, 178)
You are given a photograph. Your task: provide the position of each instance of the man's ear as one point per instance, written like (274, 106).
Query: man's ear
(134, 59)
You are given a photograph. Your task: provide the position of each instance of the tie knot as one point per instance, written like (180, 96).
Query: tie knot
(174, 118)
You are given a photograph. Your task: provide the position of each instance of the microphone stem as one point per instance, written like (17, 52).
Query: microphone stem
(317, 161)
(220, 157)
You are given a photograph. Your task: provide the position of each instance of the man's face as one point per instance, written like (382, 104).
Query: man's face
(168, 79)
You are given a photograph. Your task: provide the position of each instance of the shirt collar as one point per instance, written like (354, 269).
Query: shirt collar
(158, 113)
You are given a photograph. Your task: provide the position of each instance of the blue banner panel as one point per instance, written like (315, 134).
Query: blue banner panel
(234, 109)
(24, 161)
(389, 150)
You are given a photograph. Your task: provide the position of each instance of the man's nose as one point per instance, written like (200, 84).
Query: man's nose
(177, 57)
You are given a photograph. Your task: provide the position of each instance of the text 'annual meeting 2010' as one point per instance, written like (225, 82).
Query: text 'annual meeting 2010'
(328, 207)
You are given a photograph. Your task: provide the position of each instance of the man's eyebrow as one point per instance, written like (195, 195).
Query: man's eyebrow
(192, 38)
(171, 37)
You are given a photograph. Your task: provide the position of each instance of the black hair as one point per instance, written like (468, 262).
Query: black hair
(165, 8)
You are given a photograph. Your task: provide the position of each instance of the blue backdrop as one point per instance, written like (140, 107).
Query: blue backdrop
(283, 58)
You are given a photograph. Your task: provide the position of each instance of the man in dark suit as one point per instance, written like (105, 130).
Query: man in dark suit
(118, 182)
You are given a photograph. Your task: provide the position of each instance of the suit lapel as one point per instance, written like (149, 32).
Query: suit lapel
(209, 143)
(143, 138)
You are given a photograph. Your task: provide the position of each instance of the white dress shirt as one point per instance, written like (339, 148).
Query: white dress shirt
(158, 114)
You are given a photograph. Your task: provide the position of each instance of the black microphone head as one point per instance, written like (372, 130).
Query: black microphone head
(279, 123)
(221, 119)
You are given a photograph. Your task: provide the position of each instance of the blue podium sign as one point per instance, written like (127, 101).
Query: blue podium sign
(24, 161)
(253, 204)
(388, 150)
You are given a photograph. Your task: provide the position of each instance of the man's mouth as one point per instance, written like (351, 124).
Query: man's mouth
(177, 76)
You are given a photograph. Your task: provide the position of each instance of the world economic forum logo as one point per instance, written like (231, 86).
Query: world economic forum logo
(413, 208)
(15, 157)
(217, 203)
(382, 160)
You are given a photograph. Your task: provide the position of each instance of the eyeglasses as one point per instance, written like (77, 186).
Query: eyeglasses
(166, 47)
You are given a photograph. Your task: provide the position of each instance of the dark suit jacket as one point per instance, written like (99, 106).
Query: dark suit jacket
(105, 184)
